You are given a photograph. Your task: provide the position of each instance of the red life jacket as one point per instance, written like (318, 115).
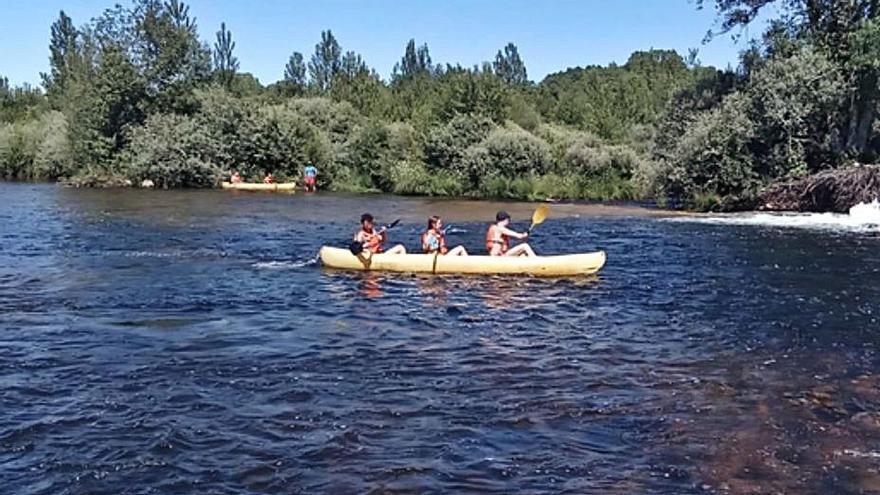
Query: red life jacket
(373, 242)
(441, 239)
(492, 239)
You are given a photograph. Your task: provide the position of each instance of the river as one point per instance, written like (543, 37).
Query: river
(187, 341)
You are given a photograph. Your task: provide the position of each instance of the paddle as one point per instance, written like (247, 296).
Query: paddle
(539, 216)
(357, 248)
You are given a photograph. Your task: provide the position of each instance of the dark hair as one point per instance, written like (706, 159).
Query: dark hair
(366, 217)
(502, 215)
(432, 221)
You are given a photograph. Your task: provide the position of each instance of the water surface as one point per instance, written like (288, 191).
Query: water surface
(186, 341)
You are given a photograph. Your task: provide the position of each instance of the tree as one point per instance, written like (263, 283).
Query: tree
(833, 25)
(162, 41)
(62, 46)
(325, 63)
(352, 65)
(225, 63)
(415, 62)
(295, 73)
(509, 66)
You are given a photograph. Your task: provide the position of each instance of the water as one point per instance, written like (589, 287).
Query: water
(862, 218)
(180, 342)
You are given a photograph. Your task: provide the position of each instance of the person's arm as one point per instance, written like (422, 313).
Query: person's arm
(512, 233)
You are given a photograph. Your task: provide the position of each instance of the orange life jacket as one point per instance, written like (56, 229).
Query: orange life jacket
(492, 239)
(373, 242)
(426, 246)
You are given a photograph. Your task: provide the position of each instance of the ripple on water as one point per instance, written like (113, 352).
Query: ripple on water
(187, 342)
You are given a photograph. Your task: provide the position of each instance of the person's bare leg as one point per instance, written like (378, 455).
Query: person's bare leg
(398, 249)
(520, 250)
(457, 251)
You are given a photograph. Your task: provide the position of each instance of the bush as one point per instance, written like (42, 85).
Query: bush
(169, 150)
(446, 145)
(561, 139)
(414, 178)
(781, 124)
(18, 147)
(35, 149)
(54, 158)
(507, 152)
(597, 161)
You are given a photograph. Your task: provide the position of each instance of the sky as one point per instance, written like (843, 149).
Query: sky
(551, 35)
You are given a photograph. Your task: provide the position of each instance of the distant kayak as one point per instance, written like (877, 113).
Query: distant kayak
(248, 186)
(541, 266)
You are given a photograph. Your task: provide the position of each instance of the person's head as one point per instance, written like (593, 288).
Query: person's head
(367, 221)
(435, 223)
(502, 218)
(269, 174)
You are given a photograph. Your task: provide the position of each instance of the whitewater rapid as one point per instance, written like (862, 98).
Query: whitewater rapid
(863, 217)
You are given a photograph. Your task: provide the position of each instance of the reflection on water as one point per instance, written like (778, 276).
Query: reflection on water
(188, 342)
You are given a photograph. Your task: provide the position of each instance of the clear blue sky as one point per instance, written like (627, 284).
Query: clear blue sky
(551, 35)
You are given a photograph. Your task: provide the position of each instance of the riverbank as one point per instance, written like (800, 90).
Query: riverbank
(835, 190)
(830, 191)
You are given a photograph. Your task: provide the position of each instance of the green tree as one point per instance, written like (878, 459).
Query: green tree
(225, 62)
(163, 43)
(326, 62)
(415, 62)
(472, 93)
(62, 49)
(295, 74)
(361, 87)
(834, 26)
(509, 66)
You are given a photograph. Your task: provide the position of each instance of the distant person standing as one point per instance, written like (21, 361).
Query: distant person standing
(310, 175)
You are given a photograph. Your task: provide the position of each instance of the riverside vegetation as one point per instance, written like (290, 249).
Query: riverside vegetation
(136, 94)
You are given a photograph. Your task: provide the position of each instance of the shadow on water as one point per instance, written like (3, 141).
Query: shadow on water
(188, 341)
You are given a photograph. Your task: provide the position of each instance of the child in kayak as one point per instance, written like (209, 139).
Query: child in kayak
(498, 238)
(434, 239)
(372, 239)
(269, 179)
(236, 178)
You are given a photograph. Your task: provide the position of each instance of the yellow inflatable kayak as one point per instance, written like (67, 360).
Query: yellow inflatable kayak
(541, 266)
(249, 186)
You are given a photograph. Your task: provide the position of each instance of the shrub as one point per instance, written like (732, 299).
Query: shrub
(446, 145)
(35, 149)
(168, 149)
(507, 152)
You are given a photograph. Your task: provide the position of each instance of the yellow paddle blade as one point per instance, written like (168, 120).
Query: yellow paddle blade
(540, 214)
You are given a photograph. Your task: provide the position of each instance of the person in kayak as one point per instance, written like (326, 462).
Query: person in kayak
(310, 177)
(236, 177)
(434, 239)
(498, 238)
(269, 179)
(374, 240)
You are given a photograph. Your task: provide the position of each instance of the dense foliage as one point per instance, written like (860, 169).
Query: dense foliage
(803, 100)
(136, 94)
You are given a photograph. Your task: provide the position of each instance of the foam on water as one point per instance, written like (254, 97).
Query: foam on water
(863, 217)
(284, 265)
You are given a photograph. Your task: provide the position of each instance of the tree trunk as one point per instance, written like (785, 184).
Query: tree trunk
(861, 116)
